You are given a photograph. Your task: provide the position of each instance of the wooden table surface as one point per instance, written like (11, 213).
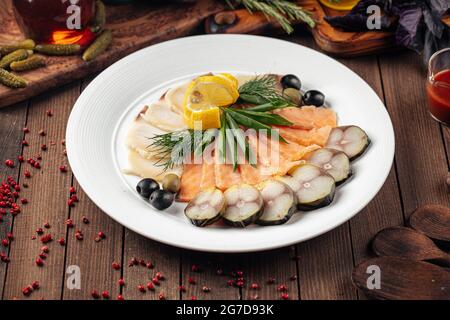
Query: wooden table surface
(318, 269)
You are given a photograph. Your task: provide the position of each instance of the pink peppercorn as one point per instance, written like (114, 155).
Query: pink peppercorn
(141, 288)
(115, 265)
(69, 223)
(39, 262)
(195, 268)
(282, 287)
(285, 296)
(35, 285)
(9, 163)
(27, 291)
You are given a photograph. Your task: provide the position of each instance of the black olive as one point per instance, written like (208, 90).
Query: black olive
(314, 98)
(290, 81)
(145, 187)
(161, 199)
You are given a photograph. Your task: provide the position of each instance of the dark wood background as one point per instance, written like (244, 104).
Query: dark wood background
(317, 269)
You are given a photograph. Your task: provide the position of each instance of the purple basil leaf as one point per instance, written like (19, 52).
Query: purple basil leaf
(439, 7)
(409, 30)
(433, 23)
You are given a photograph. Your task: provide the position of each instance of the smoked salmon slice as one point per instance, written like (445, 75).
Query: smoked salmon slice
(276, 157)
(308, 117)
(226, 176)
(317, 136)
(208, 176)
(190, 182)
(291, 150)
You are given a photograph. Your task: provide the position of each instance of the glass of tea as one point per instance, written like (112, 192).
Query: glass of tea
(438, 86)
(55, 21)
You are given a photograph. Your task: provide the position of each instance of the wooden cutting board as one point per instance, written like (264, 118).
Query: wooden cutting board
(134, 27)
(329, 39)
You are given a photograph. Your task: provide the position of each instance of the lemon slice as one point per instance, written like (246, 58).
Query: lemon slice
(341, 5)
(205, 95)
(231, 78)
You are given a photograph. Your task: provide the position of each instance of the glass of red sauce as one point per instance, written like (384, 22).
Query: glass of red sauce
(438, 86)
(56, 21)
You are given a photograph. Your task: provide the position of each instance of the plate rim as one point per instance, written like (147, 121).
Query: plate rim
(257, 247)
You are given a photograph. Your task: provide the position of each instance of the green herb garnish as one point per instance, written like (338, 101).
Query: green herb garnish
(172, 148)
(262, 90)
(283, 11)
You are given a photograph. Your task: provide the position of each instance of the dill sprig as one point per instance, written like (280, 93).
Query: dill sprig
(172, 148)
(283, 11)
(261, 90)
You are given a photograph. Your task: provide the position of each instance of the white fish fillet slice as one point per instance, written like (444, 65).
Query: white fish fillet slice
(138, 137)
(148, 168)
(174, 97)
(163, 117)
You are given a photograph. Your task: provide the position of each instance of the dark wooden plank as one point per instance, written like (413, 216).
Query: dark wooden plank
(421, 159)
(165, 259)
(81, 253)
(269, 270)
(47, 194)
(209, 270)
(12, 121)
(446, 136)
(385, 210)
(325, 264)
(93, 258)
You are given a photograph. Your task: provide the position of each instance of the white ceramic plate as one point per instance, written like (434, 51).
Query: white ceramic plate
(103, 112)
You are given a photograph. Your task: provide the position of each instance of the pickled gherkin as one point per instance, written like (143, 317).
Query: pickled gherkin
(17, 55)
(27, 44)
(58, 49)
(98, 46)
(12, 80)
(31, 63)
(100, 16)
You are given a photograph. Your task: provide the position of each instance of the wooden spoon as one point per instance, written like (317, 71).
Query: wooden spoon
(432, 220)
(408, 243)
(402, 279)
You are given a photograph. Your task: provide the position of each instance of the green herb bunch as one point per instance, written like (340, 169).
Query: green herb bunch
(283, 11)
